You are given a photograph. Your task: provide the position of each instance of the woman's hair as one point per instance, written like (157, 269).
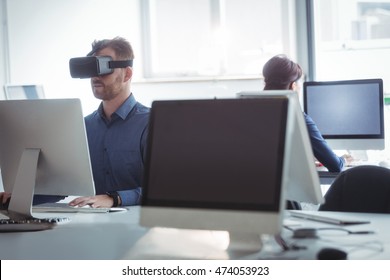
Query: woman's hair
(279, 72)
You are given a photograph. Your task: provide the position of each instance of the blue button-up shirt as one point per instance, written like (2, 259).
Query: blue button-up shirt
(117, 149)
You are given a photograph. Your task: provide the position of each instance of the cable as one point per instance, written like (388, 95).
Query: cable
(286, 247)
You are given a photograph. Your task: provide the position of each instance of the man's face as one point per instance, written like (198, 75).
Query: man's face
(109, 86)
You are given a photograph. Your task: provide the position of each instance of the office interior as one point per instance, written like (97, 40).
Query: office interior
(187, 49)
(207, 55)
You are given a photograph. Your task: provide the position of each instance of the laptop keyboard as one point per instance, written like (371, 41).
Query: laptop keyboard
(33, 224)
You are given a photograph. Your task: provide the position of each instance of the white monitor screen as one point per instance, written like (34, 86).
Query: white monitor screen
(349, 114)
(301, 181)
(216, 165)
(15, 92)
(55, 129)
(224, 164)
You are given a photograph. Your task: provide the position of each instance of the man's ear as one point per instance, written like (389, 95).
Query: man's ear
(128, 74)
(292, 86)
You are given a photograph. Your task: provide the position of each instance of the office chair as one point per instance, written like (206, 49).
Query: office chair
(363, 188)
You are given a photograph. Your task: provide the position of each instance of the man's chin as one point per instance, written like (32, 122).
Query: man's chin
(98, 94)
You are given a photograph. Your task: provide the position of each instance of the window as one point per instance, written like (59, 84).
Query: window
(186, 38)
(352, 39)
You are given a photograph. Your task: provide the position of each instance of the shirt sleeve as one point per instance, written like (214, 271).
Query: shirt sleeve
(130, 197)
(40, 198)
(321, 149)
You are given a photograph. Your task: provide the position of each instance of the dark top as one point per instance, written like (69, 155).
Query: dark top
(321, 150)
(117, 149)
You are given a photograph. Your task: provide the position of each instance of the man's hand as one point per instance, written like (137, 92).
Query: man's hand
(4, 196)
(97, 201)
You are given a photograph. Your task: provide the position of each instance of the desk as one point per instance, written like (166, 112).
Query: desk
(87, 236)
(358, 246)
(118, 236)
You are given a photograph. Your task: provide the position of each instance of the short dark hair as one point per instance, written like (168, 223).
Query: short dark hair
(121, 47)
(279, 72)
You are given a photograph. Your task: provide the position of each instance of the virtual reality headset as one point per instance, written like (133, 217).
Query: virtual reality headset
(93, 66)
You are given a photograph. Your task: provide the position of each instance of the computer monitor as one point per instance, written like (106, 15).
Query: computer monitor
(221, 164)
(16, 92)
(349, 114)
(43, 150)
(301, 180)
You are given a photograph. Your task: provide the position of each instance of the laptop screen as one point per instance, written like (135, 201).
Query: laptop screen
(221, 154)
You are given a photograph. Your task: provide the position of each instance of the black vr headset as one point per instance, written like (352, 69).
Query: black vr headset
(93, 66)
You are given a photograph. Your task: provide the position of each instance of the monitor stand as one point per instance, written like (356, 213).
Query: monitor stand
(23, 191)
(243, 244)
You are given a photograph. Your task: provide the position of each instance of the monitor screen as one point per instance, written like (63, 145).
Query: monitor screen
(349, 114)
(216, 148)
(218, 164)
(44, 149)
(15, 92)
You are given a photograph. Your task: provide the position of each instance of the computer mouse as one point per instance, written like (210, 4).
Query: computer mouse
(305, 233)
(331, 254)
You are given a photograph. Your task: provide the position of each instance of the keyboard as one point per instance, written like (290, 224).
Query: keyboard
(65, 208)
(32, 224)
(326, 217)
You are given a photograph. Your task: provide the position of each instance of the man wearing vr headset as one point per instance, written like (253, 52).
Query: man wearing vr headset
(117, 130)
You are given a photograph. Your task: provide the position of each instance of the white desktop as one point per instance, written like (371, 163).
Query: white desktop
(302, 182)
(43, 150)
(227, 165)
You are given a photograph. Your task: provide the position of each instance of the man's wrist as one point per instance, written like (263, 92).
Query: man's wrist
(115, 197)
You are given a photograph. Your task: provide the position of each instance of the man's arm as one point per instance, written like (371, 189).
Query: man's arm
(130, 197)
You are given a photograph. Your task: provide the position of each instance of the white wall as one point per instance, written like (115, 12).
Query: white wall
(147, 92)
(45, 34)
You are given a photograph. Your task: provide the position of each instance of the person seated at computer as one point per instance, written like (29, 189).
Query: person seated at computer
(281, 73)
(116, 132)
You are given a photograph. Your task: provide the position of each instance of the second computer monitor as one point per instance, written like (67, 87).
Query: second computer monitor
(301, 181)
(349, 113)
(16, 92)
(227, 164)
(43, 150)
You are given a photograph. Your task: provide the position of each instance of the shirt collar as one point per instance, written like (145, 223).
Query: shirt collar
(124, 110)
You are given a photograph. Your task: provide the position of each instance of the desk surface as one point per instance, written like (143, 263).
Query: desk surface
(87, 236)
(118, 236)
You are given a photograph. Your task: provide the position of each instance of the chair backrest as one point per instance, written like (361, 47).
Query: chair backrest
(360, 189)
